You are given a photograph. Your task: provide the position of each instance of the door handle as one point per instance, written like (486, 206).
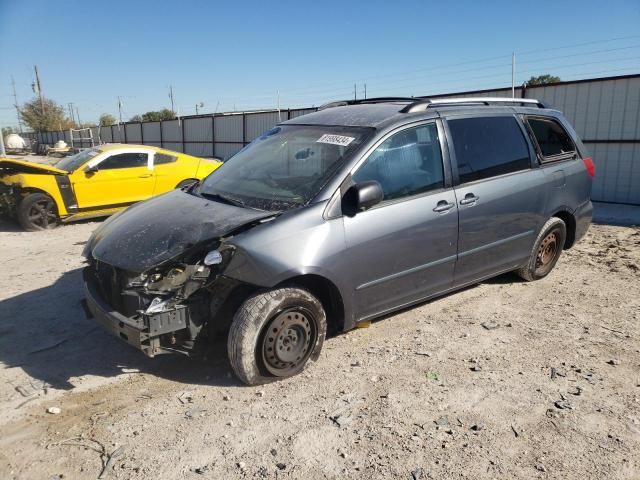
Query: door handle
(443, 206)
(469, 199)
(146, 175)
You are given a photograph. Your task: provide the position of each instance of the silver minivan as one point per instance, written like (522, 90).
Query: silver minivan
(338, 217)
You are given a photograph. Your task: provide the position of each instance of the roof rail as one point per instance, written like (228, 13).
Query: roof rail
(343, 103)
(423, 104)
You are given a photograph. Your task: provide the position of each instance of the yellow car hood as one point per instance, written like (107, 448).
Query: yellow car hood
(10, 166)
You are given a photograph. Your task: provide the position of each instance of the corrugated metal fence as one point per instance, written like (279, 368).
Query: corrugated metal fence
(604, 111)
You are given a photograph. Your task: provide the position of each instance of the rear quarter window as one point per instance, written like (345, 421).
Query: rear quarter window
(553, 141)
(162, 158)
(488, 146)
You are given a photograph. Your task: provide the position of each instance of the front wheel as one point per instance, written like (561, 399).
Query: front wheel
(37, 211)
(546, 250)
(274, 334)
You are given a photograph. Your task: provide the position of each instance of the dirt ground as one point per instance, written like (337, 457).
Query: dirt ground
(502, 380)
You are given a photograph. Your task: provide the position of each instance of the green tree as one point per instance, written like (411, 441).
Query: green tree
(542, 80)
(136, 118)
(51, 117)
(105, 120)
(156, 116)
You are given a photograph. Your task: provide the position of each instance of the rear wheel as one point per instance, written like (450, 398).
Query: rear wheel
(37, 211)
(546, 250)
(275, 334)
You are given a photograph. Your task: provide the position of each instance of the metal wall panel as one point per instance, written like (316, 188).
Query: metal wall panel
(95, 131)
(502, 92)
(105, 134)
(258, 123)
(134, 132)
(198, 129)
(301, 111)
(175, 146)
(226, 150)
(117, 133)
(599, 110)
(172, 132)
(228, 128)
(617, 172)
(151, 133)
(199, 149)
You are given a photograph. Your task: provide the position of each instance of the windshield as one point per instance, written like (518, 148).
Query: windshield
(284, 168)
(74, 161)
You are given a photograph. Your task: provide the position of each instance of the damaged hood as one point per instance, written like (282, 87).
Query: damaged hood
(152, 232)
(11, 167)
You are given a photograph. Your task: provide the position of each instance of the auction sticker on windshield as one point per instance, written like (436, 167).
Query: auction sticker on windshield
(335, 139)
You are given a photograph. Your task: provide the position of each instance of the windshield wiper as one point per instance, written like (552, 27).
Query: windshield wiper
(223, 199)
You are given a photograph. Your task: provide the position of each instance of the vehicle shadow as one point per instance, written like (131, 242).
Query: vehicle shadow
(45, 332)
(9, 225)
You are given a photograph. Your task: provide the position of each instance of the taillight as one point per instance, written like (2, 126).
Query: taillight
(590, 166)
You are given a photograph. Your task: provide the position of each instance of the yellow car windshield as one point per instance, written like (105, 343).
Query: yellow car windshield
(74, 161)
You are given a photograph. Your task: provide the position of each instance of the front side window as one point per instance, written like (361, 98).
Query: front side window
(124, 160)
(285, 167)
(407, 163)
(552, 139)
(488, 146)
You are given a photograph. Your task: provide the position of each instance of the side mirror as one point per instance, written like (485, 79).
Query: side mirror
(91, 170)
(361, 197)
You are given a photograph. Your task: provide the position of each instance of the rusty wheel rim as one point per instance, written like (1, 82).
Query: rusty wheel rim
(547, 250)
(42, 214)
(288, 342)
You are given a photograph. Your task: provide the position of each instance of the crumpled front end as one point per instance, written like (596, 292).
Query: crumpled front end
(9, 198)
(155, 271)
(157, 311)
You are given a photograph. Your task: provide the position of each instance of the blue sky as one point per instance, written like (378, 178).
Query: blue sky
(240, 54)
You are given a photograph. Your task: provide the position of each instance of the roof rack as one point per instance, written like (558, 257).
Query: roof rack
(343, 103)
(423, 104)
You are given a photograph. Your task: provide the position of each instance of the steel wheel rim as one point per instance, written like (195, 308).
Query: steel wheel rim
(288, 342)
(547, 250)
(42, 214)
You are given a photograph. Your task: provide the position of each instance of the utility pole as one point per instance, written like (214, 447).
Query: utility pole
(78, 117)
(278, 105)
(513, 75)
(365, 91)
(355, 93)
(71, 114)
(120, 109)
(15, 103)
(171, 97)
(39, 88)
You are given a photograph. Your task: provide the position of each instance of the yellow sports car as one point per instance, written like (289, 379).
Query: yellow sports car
(93, 183)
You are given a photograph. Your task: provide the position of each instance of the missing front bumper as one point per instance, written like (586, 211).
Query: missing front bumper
(142, 331)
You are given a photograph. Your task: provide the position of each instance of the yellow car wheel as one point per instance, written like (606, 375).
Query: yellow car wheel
(37, 211)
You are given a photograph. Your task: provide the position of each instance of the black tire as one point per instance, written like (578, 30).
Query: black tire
(186, 183)
(546, 250)
(37, 211)
(275, 334)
